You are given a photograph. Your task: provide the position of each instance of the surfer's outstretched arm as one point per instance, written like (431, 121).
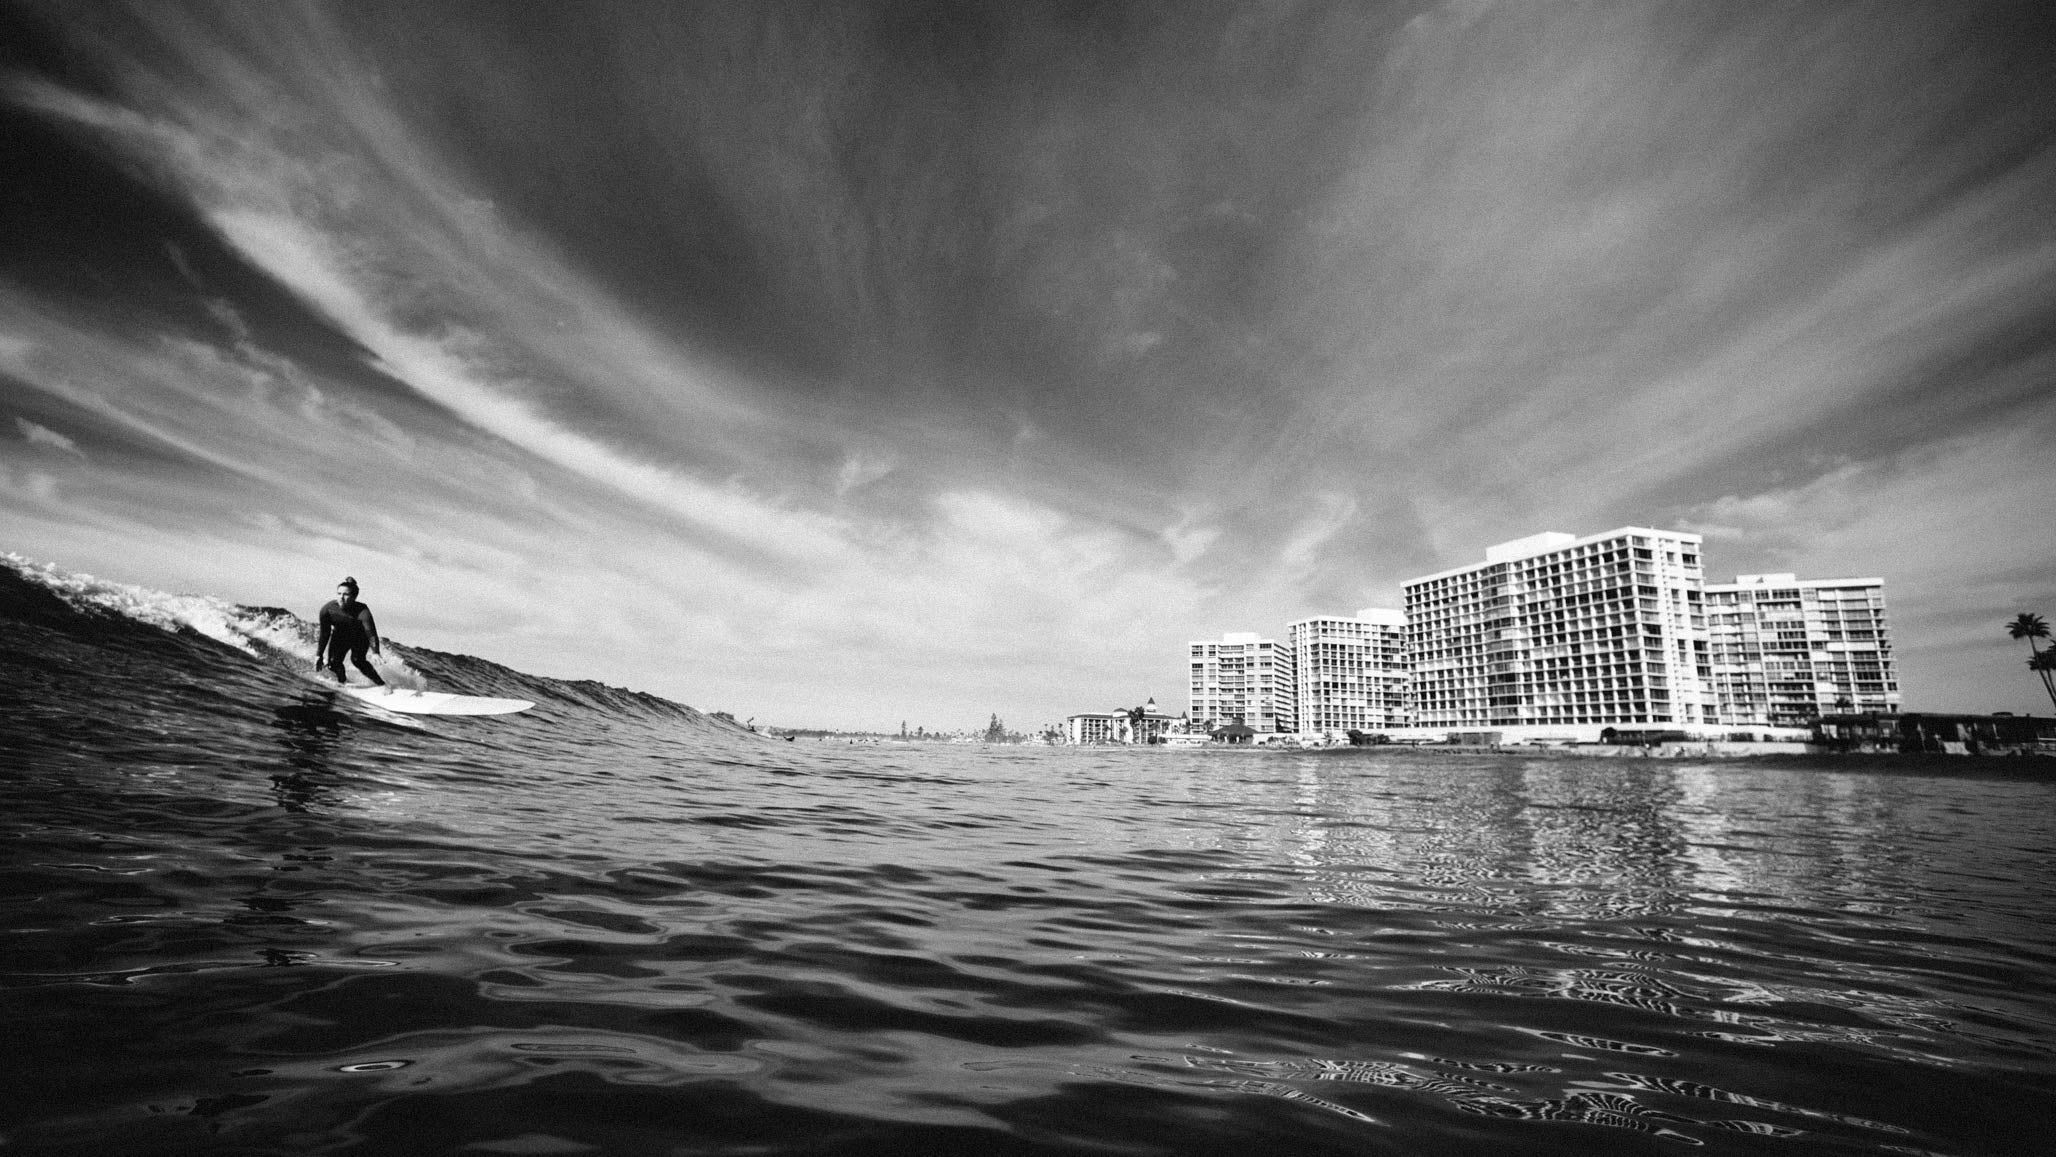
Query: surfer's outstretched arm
(371, 627)
(321, 648)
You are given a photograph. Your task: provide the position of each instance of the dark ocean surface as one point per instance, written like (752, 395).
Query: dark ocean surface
(242, 914)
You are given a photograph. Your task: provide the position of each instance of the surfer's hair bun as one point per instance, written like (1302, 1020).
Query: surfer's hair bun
(349, 582)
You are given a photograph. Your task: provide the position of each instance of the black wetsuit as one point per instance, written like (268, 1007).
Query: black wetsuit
(347, 631)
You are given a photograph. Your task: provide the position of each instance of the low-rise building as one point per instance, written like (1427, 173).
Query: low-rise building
(1939, 733)
(1144, 724)
(1090, 727)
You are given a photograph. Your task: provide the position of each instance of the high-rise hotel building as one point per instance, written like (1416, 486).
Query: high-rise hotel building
(1234, 680)
(1343, 674)
(1564, 636)
(1787, 650)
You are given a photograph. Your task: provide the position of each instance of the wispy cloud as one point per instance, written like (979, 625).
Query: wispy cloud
(1956, 571)
(36, 435)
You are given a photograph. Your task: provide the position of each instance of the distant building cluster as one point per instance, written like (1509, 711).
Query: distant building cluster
(1550, 638)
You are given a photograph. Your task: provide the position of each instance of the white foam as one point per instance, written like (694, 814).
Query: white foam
(256, 634)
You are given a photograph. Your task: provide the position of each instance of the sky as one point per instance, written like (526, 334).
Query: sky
(850, 364)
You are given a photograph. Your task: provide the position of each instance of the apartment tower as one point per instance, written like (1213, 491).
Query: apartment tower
(1560, 636)
(1340, 675)
(1787, 650)
(1235, 680)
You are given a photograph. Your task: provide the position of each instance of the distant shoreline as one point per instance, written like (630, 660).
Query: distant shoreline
(2040, 763)
(1703, 750)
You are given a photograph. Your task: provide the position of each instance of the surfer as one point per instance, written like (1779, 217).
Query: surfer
(347, 628)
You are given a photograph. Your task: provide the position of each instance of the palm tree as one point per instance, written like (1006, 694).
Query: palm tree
(2032, 627)
(2029, 626)
(2044, 664)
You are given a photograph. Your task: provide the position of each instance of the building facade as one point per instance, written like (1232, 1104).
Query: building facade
(1234, 679)
(1564, 636)
(1787, 651)
(1344, 674)
(1144, 724)
(1090, 727)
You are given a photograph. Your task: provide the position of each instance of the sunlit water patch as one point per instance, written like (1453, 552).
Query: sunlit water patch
(240, 915)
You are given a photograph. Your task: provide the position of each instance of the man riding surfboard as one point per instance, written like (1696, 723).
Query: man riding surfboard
(347, 628)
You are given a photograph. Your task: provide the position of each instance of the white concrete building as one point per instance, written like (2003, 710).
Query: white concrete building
(1144, 724)
(1787, 650)
(1092, 727)
(1559, 637)
(1234, 679)
(1342, 674)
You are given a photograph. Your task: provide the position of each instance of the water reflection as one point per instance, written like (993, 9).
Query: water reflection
(1556, 839)
(1738, 903)
(1522, 841)
(309, 734)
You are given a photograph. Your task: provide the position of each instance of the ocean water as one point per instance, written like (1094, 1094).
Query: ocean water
(243, 915)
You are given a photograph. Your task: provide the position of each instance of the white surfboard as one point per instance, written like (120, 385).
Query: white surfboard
(412, 702)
